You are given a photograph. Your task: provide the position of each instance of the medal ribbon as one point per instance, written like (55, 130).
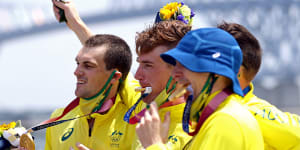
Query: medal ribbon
(166, 103)
(208, 110)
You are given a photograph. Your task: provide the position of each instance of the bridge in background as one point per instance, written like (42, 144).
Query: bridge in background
(275, 24)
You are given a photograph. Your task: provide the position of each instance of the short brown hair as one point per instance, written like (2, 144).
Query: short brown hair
(117, 55)
(167, 33)
(249, 45)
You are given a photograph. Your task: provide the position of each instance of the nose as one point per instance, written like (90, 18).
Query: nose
(78, 72)
(177, 73)
(139, 74)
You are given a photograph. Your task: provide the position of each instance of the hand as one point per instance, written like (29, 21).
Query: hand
(74, 22)
(80, 147)
(71, 13)
(164, 128)
(150, 130)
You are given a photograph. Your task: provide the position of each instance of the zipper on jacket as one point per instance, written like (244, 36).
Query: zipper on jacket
(91, 125)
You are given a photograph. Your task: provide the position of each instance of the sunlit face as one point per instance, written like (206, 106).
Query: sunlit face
(177, 74)
(90, 72)
(153, 71)
(183, 75)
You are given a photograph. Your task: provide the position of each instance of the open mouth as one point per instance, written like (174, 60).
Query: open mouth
(80, 82)
(143, 85)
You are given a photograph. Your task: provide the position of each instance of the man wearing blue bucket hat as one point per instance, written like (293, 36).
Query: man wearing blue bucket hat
(210, 59)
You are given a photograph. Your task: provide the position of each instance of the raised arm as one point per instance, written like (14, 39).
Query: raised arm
(74, 21)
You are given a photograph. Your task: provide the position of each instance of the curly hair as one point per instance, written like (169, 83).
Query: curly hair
(167, 33)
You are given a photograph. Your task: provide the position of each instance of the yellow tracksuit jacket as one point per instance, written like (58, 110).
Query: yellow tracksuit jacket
(281, 130)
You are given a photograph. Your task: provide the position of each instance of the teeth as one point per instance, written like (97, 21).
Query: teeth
(139, 89)
(80, 82)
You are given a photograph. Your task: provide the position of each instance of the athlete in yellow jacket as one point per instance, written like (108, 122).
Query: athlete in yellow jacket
(104, 89)
(210, 59)
(152, 71)
(281, 130)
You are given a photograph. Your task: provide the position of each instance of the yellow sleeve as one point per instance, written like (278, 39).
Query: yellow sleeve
(157, 147)
(56, 113)
(177, 137)
(169, 146)
(48, 137)
(175, 142)
(263, 109)
(293, 119)
(281, 130)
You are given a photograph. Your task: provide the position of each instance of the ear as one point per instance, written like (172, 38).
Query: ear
(240, 72)
(116, 77)
(242, 78)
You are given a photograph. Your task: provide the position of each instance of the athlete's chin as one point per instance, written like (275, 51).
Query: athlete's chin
(79, 93)
(150, 98)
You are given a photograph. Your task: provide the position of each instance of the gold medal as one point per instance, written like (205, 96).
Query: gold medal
(26, 141)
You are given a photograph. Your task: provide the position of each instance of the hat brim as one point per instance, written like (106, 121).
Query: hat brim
(204, 64)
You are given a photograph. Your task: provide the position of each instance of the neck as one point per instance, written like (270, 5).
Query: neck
(150, 98)
(220, 84)
(113, 92)
(243, 82)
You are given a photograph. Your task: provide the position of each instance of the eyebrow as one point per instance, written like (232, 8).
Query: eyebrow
(143, 61)
(146, 62)
(85, 62)
(89, 63)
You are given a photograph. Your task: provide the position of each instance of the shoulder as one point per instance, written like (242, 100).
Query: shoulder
(234, 112)
(130, 83)
(262, 109)
(57, 112)
(127, 90)
(224, 131)
(232, 106)
(236, 130)
(224, 125)
(74, 111)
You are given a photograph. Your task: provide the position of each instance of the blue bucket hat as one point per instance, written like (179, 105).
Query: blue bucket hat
(208, 50)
